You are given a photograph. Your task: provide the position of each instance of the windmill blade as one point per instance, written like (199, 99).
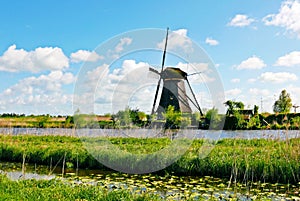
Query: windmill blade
(154, 71)
(155, 97)
(198, 106)
(165, 50)
(183, 101)
(162, 68)
(194, 73)
(153, 76)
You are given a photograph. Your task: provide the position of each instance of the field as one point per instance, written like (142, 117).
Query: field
(42, 121)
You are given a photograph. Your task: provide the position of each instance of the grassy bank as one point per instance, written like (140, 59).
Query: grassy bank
(58, 190)
(242, 160)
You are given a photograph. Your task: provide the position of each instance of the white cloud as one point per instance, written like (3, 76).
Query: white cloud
(251, 80)
(40, 59)
(122, 43)
(84, 55)
(289, 60)
(232, 93)
(294, 92)
(39, 95)
(97, 73)
(259, 97)
(251, 63)
(288, 17)
(86, 87)
(193, 67)
(112, 89)
(115, 53)
(205, 101)
(177, 39)
(211, 42)
(129, 65)
(279, 77)
(259, 92)
(240, 21)
(235, 80)
(44, 83)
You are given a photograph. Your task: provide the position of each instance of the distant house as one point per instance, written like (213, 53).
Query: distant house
(104, 118)
(247, 114)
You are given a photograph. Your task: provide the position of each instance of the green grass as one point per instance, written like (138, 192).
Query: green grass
(58, 190)
(263, 160)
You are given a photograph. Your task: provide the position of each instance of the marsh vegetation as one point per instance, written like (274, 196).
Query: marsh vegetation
(234, 169)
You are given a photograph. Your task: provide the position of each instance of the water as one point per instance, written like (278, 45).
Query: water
(166, 186)
(148, 133)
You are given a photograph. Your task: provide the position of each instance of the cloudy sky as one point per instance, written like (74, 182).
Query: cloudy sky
(46, 46)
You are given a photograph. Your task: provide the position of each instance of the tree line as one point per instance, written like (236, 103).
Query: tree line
(236, 117)
(239, 118)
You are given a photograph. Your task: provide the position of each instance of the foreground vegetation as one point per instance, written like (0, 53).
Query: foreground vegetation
(117, 186)
(234, 159)
(58, 190)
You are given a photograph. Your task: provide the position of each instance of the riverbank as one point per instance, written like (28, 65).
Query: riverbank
(253, 160)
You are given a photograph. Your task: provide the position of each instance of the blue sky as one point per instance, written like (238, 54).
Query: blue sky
(254, 44)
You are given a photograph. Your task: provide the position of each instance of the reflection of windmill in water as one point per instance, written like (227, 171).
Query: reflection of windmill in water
(174, 91)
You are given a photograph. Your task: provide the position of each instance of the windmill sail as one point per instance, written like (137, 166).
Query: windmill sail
(162, 68)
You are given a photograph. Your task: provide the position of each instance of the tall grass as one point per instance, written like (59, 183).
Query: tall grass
(262, 160)
(251, 160)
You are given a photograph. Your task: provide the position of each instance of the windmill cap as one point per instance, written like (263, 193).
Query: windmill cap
(173, 73)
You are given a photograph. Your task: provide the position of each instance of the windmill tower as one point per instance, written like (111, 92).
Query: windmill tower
(174, 90)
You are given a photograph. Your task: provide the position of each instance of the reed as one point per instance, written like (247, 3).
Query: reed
(241, 160)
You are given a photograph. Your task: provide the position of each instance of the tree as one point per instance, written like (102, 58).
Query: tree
(213, 118)
(284, 103)
(233, 106)
(137, 117)
(124, 117)
(254, 122)
(173, 118)
(130, 117)
(255, 110)
(296, 122)
(69, 121)
(195, 118)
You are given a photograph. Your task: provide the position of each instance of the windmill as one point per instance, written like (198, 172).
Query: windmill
(174, 89)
